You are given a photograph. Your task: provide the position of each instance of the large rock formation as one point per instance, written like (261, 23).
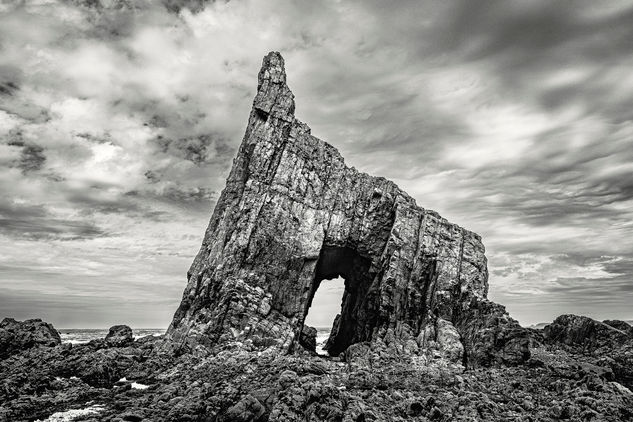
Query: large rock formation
(293, 214)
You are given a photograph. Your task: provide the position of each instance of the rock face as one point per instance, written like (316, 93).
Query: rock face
(293, 214)
(308, 338)
(16, 336)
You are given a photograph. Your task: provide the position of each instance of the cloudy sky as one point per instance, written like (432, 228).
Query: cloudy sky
(119, 120)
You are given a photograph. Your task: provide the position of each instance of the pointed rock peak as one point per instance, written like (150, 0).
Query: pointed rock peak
(272, 69)
(273, 95)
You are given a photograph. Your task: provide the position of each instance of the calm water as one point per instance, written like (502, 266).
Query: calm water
(84, 335)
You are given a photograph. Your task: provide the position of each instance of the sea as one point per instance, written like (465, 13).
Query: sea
(322, 335)
(84, 335)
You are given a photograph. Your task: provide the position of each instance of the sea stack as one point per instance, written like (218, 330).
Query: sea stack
(293, 214)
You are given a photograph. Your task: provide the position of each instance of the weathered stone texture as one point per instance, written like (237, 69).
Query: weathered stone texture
(575, 330)
(293, 213)
(16, 336)
(119, 335)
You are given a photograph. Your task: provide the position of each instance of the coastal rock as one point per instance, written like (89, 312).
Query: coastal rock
(308, 338)
(610, 342)
(16, 336)
(293, 214)
(574, 330)
(623, 326)
(119, 335)
(246, 410)
(374, 384)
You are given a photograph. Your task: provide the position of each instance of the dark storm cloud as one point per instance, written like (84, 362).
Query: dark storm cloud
(8, 88)
(193, 194)
(36, 223)
(200, 150)
(10, 77)
(484, 28)
(182, 195)
(32, 158)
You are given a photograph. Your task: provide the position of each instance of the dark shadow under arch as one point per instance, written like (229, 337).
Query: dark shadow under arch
(359, 314)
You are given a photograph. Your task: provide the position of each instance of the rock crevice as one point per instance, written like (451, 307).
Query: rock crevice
(293, 213)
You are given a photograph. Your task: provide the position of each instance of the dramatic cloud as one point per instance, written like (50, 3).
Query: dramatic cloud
(119, 121)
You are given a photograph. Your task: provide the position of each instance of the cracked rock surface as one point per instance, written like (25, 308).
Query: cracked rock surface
(293, 213)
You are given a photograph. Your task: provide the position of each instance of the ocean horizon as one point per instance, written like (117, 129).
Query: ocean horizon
(84, 335)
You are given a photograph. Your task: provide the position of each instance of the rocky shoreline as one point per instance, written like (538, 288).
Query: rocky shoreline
(416, 338)
(579, 370)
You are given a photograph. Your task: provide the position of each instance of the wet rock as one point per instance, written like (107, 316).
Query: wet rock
(374, 383)
(293, 214)
(16, 336)
(119, 336)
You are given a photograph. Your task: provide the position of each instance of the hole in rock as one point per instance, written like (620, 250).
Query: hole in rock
(326, 304)
(357, 312)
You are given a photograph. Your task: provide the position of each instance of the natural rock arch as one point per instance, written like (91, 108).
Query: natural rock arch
(292, 213)
(357, 318)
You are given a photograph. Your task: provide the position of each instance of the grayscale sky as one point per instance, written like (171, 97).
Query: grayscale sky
(119, 121)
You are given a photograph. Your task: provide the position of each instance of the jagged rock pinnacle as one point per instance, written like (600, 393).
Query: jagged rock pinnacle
(273, 95)
(293, 214)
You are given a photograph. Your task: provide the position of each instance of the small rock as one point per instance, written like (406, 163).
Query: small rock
(435, 414)
(132, 417)
(415, 408)
(249, 409)
(308, 338)
(287, 378)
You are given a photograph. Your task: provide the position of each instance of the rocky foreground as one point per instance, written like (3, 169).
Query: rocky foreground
(579, 370)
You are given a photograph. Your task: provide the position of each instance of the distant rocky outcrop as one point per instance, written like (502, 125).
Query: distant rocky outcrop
(582, 331)
(609, 342)
(16, 336)
(293, 214)
(119, 335)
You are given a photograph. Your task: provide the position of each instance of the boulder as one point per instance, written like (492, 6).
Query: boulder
(16, 336)
(308, 338)
(249, 409)
(119, 335)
